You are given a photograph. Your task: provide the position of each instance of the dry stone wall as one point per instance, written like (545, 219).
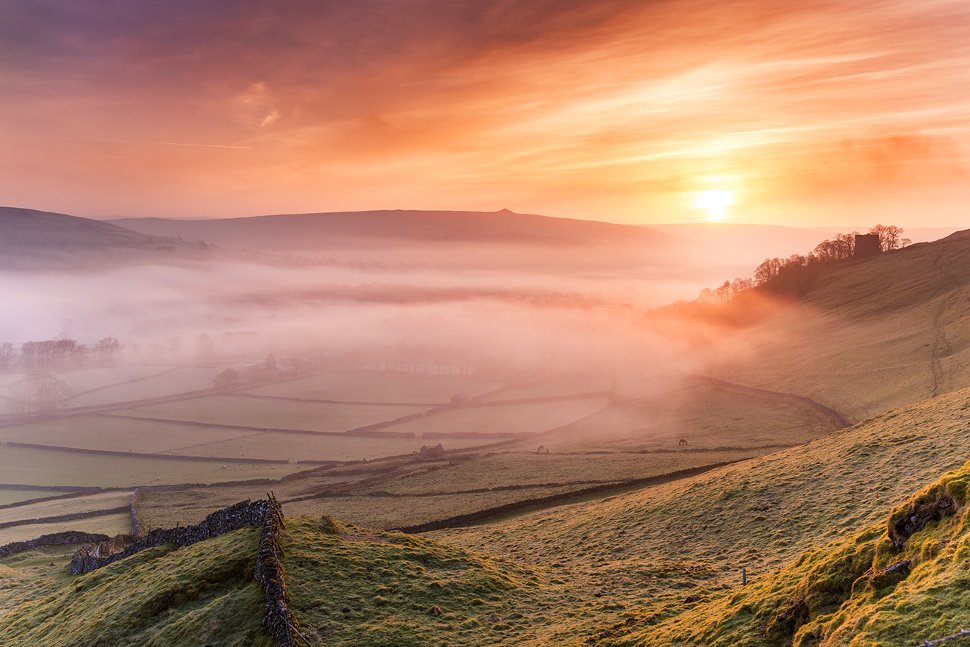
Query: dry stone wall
(267, 514)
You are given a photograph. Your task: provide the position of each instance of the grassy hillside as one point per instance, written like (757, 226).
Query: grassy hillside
(899, 581)
(203, 594)
(31, 239)
(872, 335)
(349, 586)
(648, 551)
(656, 566)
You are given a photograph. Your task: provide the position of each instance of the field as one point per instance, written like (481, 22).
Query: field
(15, 495)
(871, 337)
(266, 413)
(645, 550)
(505, 419)
(31, 466)
(112, 524)
(163, 383)
(369, 386)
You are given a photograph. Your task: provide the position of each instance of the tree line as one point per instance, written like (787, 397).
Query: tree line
(794, 276)
(57, 354)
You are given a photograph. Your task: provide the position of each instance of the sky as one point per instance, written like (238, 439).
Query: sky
(793, 113)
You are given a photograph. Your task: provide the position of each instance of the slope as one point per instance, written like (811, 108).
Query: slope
(202, 594)
(30, 239)
(871, 335)
(664, 547)
(898, 581)
(348, 586)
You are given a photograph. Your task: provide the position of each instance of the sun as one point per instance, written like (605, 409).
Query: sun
(715, 202)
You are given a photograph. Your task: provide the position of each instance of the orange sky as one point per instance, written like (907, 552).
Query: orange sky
(805, 113)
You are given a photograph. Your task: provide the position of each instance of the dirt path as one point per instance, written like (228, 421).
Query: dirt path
(940, 346)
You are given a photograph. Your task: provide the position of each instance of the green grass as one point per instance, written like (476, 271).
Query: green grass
(117, 434)
(356, 587)
(649, 550)
(203, 594)
(29, 466)
(843, 594)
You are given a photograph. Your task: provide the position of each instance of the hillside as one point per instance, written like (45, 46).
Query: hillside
(32, 239)
(637, 558)
(895, 582)
(871, 335)
(656, 566)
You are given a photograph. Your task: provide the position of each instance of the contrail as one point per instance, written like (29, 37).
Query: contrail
(138, 141)
(151, 143)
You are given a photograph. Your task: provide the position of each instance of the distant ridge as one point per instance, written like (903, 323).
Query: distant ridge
(31, 239)
(300, 232)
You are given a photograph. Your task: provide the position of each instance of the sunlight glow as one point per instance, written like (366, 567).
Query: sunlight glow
(715, 202)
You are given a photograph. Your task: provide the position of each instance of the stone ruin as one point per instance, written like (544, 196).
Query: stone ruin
(438, 451)
(866, 245)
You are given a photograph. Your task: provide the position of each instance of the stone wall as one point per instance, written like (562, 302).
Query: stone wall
(267, 514)
(68, 538)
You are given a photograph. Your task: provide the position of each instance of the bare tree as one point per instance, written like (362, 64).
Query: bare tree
(890, 236)
(38, 393)
(107, 348)
(226, 379)
(8, 355)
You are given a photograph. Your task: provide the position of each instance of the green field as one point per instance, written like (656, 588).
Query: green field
(110, 525)
(369, 386)
(29, 466)
(117, 434)
(265, 413)
(8, 496)
(88, 502)
(181, 380)
(307, 447)
(550, 389)
(707, 417)
(646, 549)
(530, 418)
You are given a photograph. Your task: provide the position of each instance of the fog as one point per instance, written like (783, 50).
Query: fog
(499, 318)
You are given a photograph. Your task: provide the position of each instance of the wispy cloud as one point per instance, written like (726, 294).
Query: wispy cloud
(384, 103)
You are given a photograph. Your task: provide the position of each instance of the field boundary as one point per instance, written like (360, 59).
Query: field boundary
(267, 514)
(112, 452)
(74, 516)
(777, 395)
(563, 498)
(66, 538)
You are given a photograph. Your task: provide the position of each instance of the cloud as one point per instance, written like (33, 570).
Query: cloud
(511, 98)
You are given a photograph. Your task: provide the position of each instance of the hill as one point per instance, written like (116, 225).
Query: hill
(871, 335)
(648, 556)
(331, 233)
(656, 566)
(32, 239)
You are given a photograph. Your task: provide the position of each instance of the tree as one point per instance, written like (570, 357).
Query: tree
(767, 271)
(890, 236)
(107, 348)
(226, 379)
(8, 355)
(38, 393)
